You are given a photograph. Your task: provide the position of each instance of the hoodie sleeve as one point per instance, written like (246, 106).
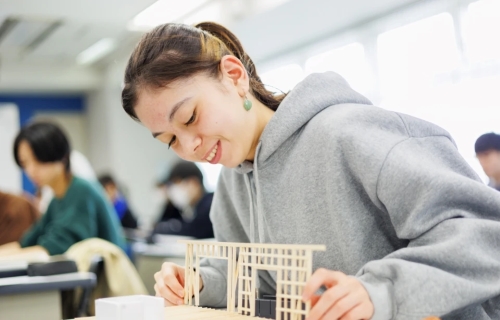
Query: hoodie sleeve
(451, 220)
(227, 228)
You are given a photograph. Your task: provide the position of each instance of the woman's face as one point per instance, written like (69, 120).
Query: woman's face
(201, 118)
(40, 173)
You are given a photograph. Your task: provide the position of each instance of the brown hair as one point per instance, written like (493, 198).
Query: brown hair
(173, 52)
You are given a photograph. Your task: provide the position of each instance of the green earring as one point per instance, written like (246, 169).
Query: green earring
(247, 104)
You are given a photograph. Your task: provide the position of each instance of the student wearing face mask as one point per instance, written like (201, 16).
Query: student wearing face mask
(188, 207)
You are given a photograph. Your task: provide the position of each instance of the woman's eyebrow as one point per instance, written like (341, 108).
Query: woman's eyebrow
(176, 107)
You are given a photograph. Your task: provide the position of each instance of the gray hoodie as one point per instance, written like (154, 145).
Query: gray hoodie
(389, 195)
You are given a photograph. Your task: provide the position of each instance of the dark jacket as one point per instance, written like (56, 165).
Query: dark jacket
(200, 227)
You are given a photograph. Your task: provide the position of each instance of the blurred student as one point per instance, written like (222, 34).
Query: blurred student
(188, 207)
(17, 215)
(78, 210)
(80, 167)
(488, 153)
(126, 217)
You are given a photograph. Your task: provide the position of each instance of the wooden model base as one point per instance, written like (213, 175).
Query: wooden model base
(192, 313)
(196, 313)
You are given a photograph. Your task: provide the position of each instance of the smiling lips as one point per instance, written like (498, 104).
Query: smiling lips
(213, 157)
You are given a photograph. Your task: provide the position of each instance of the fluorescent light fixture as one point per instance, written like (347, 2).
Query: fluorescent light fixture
(211, 12)
(96, 51)
(226, 12)
(163, 11)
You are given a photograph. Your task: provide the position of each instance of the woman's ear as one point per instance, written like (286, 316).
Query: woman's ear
(233, 70)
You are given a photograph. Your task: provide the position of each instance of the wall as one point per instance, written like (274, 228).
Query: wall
(74, 125)
(16, 77)
(10, 175)
(123, 147)
(31, 104)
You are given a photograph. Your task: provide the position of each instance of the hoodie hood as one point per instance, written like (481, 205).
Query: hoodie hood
(315, 93)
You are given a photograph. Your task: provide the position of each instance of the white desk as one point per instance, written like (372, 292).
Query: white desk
(16, 268)
(38, 297)
(13, 268)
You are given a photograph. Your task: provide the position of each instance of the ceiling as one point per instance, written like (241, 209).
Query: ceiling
(40, 40)
(56, 31)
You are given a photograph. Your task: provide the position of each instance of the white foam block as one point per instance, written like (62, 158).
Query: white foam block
(138, 307)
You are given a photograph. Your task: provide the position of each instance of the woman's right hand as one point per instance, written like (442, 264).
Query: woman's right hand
(170, 284)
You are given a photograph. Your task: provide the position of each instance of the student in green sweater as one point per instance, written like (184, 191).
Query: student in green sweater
(78, 210)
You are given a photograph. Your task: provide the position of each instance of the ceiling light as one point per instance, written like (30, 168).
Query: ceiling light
(211, 12)
(163, 11)
(96, 51)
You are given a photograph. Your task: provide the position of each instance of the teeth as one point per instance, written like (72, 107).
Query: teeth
(212, 154)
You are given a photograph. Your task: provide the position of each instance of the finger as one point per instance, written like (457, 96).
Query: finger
(164, 291)
(163, 288)
(361, 311)
(170, 274)
(158, 280)
(319, 278)
(327, 301)
(343, 307)
(166, 303)
(179, 272)
(314, 299)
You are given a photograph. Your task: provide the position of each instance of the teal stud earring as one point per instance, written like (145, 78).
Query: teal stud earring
(247, 104)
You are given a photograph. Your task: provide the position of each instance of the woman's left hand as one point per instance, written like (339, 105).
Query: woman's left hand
(345, 298)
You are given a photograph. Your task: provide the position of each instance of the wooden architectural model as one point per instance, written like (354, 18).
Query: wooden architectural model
(292, 263)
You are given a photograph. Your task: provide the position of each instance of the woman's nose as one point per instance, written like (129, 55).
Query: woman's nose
(191, 144)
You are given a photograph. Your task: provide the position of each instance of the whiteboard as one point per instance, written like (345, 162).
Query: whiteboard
(10, 174)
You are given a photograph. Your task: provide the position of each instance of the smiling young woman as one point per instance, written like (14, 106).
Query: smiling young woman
(407, 223)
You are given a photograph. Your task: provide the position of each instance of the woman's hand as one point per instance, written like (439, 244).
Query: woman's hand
(170, 284)
(345, 298)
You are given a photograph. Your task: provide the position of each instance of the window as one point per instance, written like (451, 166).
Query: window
(482, 31)
(411, 56)
(283, 78)
(348, 61)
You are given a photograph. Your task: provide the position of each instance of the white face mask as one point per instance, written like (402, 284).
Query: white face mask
(179, 196)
